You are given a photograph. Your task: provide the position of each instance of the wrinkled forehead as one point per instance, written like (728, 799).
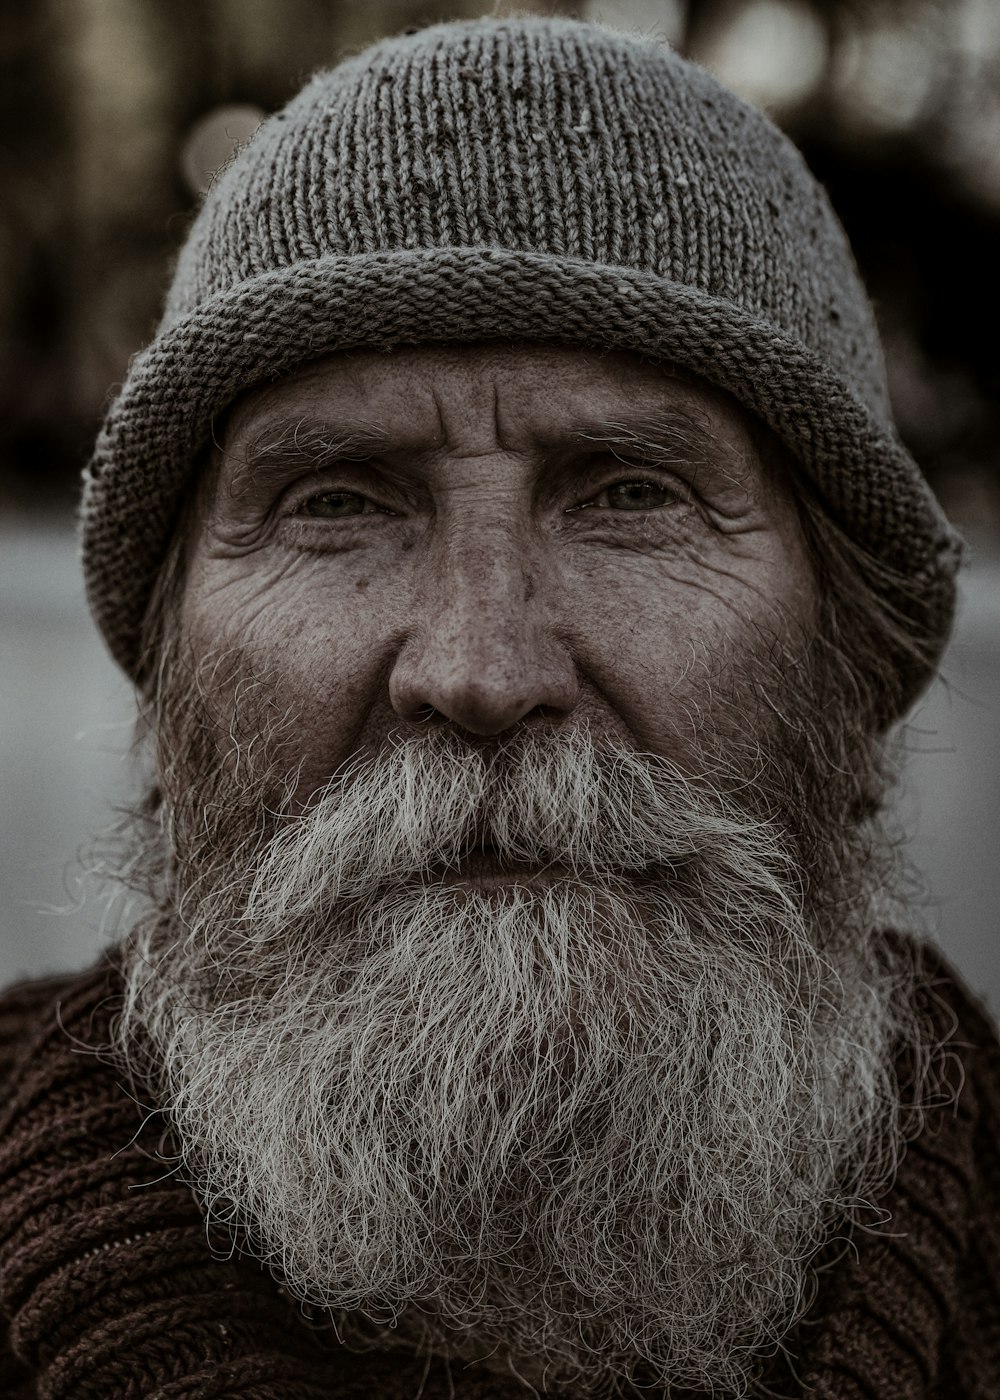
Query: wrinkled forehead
(478, 399)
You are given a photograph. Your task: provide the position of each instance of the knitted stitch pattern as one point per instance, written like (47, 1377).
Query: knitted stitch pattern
(109, 1289)
(528, 179)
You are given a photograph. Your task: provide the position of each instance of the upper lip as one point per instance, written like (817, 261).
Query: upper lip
(485, 853)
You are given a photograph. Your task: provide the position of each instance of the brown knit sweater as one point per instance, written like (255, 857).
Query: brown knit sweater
(109, 1287)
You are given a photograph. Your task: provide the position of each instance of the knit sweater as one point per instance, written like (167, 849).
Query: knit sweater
(109, 1286)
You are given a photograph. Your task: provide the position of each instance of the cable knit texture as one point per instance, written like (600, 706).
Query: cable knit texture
(524, 179)
(109, 1288)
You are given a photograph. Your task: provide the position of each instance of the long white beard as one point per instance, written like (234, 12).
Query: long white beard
(594, 1128)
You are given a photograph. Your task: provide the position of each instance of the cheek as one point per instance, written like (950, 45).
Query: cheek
(295, 665)
(694, 650)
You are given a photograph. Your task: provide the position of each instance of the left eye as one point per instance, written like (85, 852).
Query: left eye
(637, 495)
(334, 505)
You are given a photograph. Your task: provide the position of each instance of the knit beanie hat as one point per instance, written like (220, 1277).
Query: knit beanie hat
(524, 180)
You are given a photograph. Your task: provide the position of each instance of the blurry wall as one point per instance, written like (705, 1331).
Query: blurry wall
(116, 114)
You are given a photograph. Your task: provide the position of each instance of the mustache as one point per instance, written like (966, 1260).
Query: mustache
(597, 809)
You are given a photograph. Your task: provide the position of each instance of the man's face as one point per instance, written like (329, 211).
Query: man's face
(486, 536)
(581, 1103)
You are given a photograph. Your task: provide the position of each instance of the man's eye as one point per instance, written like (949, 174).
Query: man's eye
(636, 495)
(620, 495)
(334, 505)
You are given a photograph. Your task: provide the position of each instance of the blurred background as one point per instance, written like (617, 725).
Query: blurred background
(115, 115)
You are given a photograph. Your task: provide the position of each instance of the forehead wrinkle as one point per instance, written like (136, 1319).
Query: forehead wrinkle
(461, 421)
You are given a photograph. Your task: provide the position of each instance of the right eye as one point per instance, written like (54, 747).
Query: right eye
(336, 505)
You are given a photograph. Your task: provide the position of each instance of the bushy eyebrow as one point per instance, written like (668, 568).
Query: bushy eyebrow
(281, 449)
(680, 438)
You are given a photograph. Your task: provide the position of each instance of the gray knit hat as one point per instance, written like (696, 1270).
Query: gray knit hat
(521, 179)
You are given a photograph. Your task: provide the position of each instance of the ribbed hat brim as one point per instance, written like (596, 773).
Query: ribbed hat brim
(268, 326)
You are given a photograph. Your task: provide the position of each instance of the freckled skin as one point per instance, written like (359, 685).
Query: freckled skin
(486, 565)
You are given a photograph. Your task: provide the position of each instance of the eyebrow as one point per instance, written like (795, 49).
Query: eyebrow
(680, 437)
(282, 448)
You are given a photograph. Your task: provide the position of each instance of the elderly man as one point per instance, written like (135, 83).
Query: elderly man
(508, 537)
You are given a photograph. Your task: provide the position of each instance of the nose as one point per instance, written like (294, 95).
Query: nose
(482, 652)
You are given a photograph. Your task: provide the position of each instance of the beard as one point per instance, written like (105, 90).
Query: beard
(590, 1128)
